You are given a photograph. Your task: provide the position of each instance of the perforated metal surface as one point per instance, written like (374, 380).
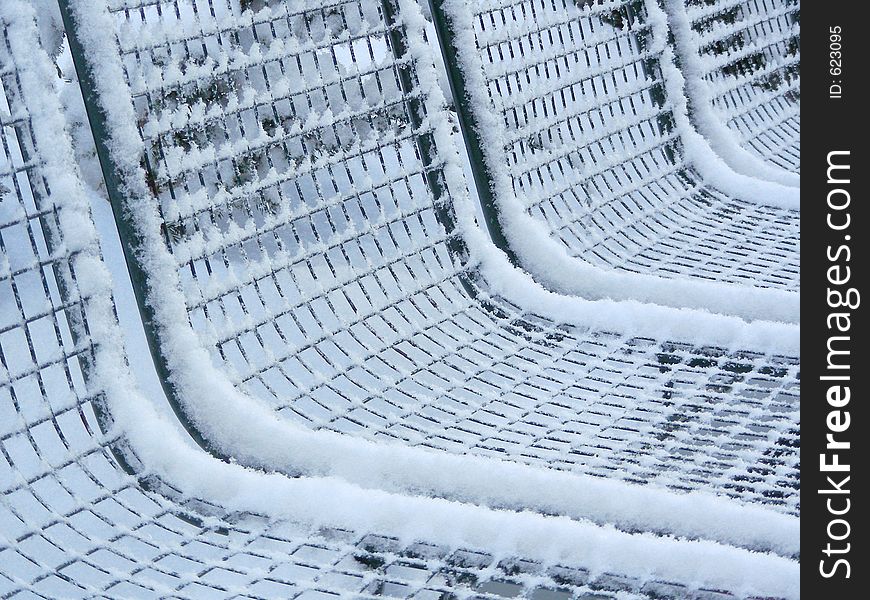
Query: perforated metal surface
(751, 52)
(75, 521)
(327, 280)
(588, 139)
(321, 267)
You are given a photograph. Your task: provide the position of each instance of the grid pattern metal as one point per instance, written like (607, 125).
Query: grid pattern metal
(752, 52)
(590, 144)
(321, 267)
(75, 522)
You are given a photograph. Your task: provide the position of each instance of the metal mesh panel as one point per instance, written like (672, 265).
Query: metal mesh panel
(752, 53)
(592, 152)
(326, 279)
(75, 524)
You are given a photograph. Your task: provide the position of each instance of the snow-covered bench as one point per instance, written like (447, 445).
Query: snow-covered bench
(601, 183)
(743, 62)
(322, 304)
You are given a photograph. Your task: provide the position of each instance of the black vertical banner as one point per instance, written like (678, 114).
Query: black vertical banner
(834, 227)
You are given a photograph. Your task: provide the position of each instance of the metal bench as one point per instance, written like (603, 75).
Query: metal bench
(290, 196)
(746, 61)
(575, 116)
